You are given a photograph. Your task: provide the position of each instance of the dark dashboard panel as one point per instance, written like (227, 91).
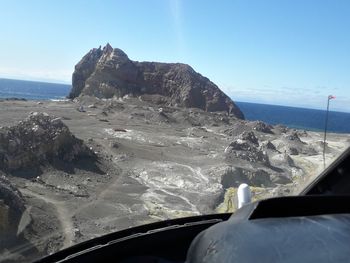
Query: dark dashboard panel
(319, 238)
(166, 241)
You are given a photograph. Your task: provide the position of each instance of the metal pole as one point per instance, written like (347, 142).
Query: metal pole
(325, 134)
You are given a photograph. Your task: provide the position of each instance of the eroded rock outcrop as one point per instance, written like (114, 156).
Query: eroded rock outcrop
(234, 176)
(241, 126)
(246, 147)
(261, 127)
(109, 72)
(292, 144)
(39, 139)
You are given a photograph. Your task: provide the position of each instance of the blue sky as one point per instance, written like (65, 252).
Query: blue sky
(287, 52)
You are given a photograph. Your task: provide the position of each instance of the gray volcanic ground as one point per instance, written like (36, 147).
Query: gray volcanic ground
(152, 163)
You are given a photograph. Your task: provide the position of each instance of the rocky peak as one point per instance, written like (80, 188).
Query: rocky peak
(107, 49)
(109, 72)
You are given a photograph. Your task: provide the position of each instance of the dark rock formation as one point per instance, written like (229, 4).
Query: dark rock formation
(262, 127)
(15, 225)
(249, 137)
(267, 145)
(246, 147)
(11, 210)
(109, 72)
(235, 176)
(11, 205)
(293, 137)
(293, 145)
(38, 139)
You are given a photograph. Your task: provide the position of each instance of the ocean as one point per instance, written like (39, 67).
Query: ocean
(298, 118)
(32, 90)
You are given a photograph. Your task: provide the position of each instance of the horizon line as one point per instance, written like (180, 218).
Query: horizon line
(61, 82)
(292, 106)
(49, 81)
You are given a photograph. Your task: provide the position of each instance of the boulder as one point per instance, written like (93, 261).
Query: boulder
(39, 139)
(262, 127)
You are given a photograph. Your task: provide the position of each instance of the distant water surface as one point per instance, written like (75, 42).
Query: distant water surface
(298, 118)
(32, 90)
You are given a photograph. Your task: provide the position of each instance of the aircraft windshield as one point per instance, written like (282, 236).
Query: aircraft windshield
(115, 114)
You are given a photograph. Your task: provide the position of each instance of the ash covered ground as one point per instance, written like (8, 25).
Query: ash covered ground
(136, 163)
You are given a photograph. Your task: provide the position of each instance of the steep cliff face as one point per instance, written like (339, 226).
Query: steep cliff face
(109, 72)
